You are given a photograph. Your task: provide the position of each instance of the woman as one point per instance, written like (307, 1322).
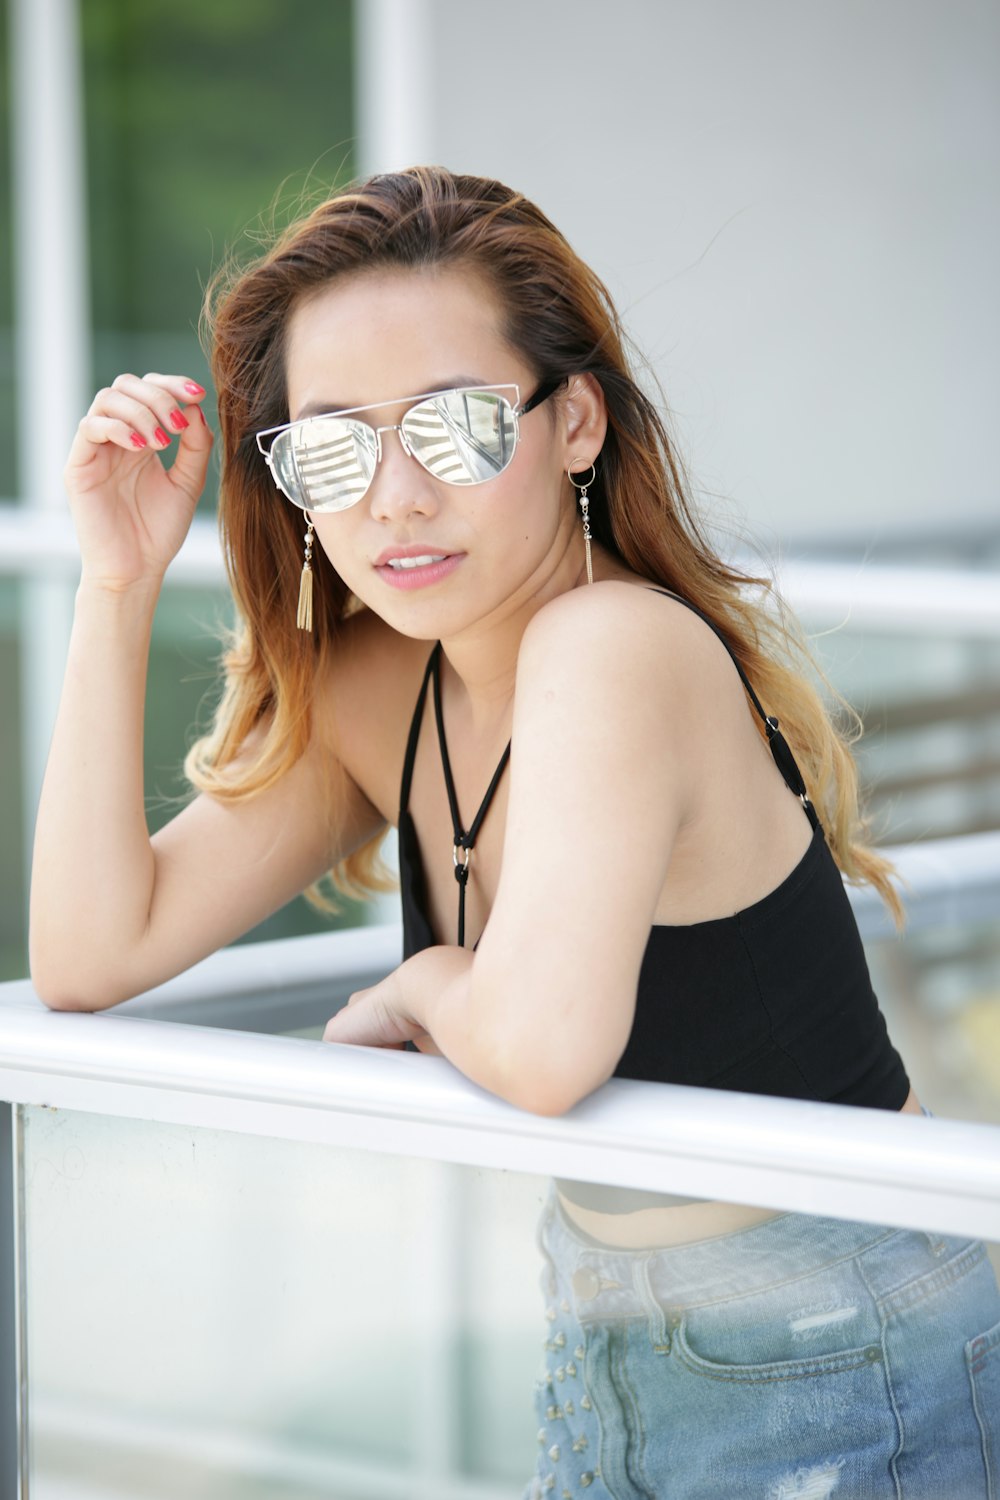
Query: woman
(431, 435)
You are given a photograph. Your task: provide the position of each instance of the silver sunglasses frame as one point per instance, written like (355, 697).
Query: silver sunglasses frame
(273, 432)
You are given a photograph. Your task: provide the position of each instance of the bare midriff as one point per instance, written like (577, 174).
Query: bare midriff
(653, 1228)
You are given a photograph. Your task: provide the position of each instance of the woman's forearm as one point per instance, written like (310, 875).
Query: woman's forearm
(92, 874)
(434, 994)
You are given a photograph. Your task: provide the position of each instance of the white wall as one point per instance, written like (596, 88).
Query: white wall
(795, 204)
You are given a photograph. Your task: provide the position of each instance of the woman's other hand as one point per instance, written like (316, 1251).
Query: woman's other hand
(131, 513)
(375, 1017)
(406, 1005)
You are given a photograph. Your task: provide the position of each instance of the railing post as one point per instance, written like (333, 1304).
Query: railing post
(8, 1312)
(52, 315)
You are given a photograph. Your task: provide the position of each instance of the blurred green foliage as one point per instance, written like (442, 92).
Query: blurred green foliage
(8, 452)
(205, 123)
(196, 115)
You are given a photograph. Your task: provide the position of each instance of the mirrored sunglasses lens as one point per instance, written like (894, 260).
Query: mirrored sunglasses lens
(463, 437)
(326, 463)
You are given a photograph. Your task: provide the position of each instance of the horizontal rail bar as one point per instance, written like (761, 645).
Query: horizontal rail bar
(874, 1165)
(856, 595)
(285, 984)
(780, 1153)
(883, 597)
(45, 546)
(949, 882)
(960, 774)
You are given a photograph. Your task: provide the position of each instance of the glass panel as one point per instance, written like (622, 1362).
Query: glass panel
(216, 1315)
(213, 1314)
(939, 991)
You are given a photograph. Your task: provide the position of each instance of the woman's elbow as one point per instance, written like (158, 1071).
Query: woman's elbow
(531, 1064)
(62, 996)
(549, 1098)
(61, 988)
(550, 1106)
(548, 1089)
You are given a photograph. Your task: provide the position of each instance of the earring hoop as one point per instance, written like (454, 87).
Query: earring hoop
(585, 509)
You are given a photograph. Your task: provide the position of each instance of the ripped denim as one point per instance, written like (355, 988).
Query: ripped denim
(800, 1359)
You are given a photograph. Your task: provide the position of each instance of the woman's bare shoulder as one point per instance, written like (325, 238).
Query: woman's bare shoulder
(621, 642)
(628, 618)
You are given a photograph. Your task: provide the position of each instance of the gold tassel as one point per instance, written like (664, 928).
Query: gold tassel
(304, 617)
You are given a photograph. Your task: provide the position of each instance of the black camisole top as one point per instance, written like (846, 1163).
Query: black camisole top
(775, 999)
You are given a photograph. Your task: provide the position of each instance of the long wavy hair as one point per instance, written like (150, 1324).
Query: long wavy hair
(560, 317)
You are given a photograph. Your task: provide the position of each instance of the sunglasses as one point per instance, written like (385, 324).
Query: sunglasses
(463, 436)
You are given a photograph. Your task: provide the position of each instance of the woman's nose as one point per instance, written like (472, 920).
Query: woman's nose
(400, 484)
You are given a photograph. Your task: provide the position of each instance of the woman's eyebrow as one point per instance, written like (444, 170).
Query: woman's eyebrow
(322, 408)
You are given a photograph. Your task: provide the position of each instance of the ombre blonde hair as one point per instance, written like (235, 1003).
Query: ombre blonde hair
(558, 315)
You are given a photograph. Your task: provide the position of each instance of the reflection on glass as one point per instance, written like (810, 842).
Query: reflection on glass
(221, 1315)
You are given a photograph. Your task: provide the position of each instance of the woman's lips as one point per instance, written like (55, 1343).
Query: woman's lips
(416, 574)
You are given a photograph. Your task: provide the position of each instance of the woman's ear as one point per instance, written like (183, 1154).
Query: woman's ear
(586, 418)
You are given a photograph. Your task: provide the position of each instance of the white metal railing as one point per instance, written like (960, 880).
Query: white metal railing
(44, 545)
(778, 1153)
(947, 881)
(866, 1164)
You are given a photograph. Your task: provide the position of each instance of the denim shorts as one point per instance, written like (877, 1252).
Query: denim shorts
(799, 1359)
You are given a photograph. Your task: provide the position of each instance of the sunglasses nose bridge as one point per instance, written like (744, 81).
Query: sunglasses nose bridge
(394, 427)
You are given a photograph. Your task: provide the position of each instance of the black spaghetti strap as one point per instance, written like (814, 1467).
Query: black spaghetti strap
(780, 749)
(463, 840)
(414, 735)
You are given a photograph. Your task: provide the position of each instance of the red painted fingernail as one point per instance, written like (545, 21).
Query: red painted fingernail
(161, 436)
(137, 440)
(201, 415)
(193, 388)
(178, 419)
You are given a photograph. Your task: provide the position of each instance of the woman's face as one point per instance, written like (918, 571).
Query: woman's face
(380, 336)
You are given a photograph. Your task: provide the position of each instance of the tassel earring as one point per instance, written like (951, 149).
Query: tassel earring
(585, 508)
(304, 618)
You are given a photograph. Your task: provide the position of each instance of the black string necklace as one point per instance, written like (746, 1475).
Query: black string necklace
(464, 839)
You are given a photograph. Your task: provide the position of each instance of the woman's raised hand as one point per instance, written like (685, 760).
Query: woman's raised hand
(130, 511)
